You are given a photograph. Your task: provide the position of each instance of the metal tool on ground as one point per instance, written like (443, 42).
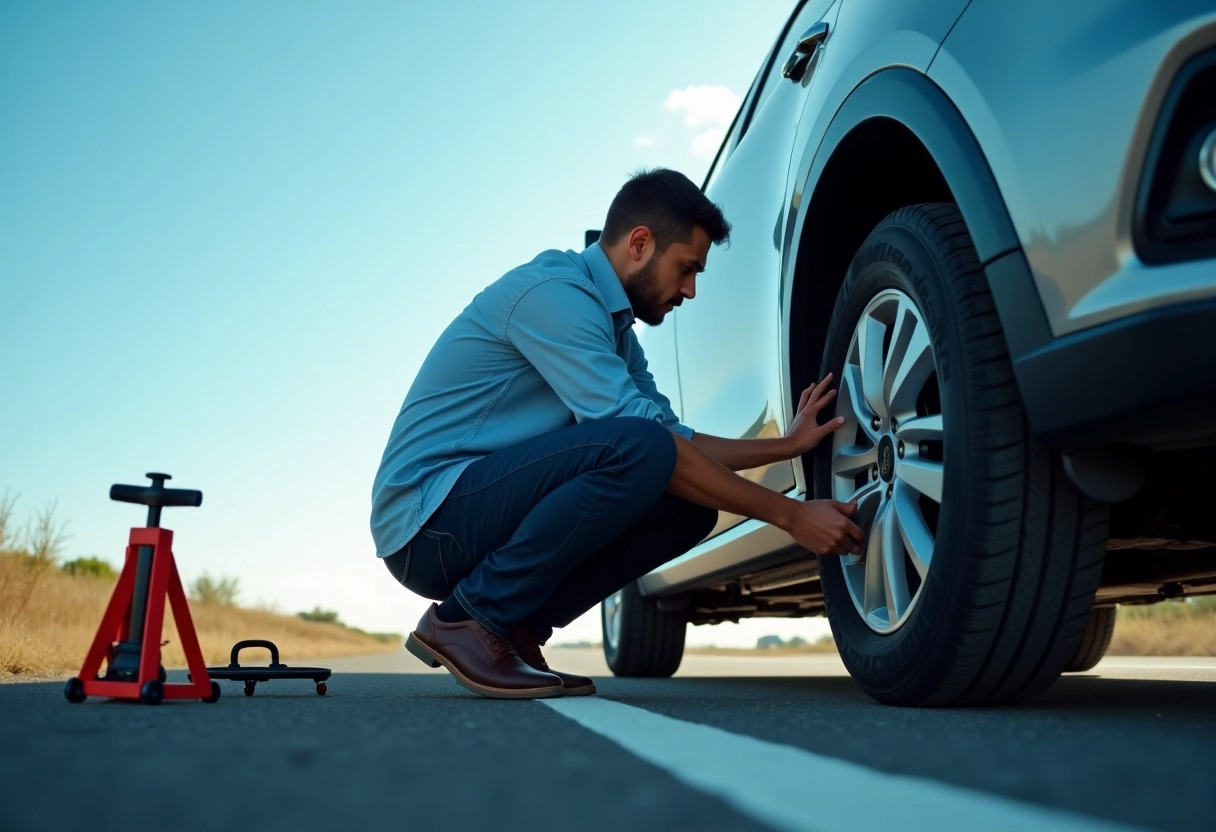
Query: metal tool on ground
(252, 675)
(128, 638)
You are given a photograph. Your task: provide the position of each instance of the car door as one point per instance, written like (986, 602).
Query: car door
(728, 338)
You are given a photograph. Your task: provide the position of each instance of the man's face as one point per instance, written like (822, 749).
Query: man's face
(664, 281)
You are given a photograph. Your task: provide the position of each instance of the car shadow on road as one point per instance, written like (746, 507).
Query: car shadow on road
(1089, 694)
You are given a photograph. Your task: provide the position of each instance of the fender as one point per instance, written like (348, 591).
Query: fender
(909, 99)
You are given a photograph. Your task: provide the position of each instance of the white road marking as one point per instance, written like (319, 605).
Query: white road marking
(796, 790)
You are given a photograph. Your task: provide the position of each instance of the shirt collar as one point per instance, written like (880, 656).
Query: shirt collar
(606, 280)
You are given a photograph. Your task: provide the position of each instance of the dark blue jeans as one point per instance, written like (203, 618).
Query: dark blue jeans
(542, 531)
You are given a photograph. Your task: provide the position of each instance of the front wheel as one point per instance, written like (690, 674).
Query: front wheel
(981, 559)
(639, 638)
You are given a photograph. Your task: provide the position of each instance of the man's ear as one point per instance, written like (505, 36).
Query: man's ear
(639, 241)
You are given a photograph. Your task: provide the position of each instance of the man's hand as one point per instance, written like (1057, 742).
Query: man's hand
(823, 526)
(804, 432)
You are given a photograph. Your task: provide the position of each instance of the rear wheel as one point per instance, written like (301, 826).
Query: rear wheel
(1099, 629)
(639, 638)
(981, 559)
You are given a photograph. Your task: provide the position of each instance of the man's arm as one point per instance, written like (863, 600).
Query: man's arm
(819, 525)
(803, 435)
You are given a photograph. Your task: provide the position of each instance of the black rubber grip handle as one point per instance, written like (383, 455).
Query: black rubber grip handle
(148, 495)
(255, 642)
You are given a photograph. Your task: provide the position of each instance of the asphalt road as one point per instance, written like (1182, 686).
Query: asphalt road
(730, 743)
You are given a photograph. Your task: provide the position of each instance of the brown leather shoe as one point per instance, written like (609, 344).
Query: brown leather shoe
(525, 644)
(481, 661)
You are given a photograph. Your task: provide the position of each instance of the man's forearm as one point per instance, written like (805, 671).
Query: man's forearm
(741, 454)
(702, 479)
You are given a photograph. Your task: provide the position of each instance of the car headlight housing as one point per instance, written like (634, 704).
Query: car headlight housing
(1176, 206)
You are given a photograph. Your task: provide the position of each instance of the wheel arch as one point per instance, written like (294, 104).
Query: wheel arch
(896, 140)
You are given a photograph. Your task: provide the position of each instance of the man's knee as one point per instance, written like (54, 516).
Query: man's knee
(648, 443)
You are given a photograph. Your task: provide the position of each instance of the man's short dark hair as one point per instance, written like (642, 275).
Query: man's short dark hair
(666, 202)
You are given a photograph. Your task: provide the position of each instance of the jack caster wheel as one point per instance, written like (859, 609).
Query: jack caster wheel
(321, 688)
(215, 693)
(249, 687)
(152, 692)
(73, 691)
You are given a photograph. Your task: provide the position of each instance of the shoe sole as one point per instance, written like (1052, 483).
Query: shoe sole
(430, 657)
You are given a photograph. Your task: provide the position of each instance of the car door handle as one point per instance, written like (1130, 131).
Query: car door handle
(800, 59)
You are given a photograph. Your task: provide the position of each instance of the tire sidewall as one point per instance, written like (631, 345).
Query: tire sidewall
(896, 256)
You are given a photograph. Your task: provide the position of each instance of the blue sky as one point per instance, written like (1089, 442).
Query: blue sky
(229, 233)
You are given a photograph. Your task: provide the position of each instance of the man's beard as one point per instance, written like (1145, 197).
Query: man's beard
(645, 296)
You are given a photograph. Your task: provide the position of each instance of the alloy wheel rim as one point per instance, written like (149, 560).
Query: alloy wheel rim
(612, 620)
(888, 456)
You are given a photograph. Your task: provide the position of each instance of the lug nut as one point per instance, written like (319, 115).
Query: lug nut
(890, 488)
(874, 473)
(900, 450)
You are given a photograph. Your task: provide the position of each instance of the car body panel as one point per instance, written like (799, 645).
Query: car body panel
(748, 396)
(1023, 94)
(744, 396)
(996, 96)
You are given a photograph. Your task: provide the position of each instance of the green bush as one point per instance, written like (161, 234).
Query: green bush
(323, 616)
(208, 590)
(90, 567)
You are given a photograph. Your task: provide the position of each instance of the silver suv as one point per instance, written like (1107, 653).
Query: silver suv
(995, 223)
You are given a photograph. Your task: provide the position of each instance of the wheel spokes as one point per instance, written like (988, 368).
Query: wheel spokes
(923, 475)
(888, 456)
(909, 362)
(612, 615)
(894, 570)
(874, 602)
(913, 530)
(870, 333)
(921, 429)
(851, 402)
(853, 460)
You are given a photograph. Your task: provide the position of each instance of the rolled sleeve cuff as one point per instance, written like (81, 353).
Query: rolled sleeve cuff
(682, 430)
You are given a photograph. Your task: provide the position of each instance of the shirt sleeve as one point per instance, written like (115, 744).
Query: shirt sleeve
(563, 329)
(635, 358)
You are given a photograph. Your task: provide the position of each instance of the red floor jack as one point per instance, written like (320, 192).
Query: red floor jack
(129, 636)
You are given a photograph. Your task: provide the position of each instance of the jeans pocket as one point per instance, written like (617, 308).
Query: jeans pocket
(398, 564)
(436, 564)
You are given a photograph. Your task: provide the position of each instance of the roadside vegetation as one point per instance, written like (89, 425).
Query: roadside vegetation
(1171, 628)
(50, 609)
(1184, 627)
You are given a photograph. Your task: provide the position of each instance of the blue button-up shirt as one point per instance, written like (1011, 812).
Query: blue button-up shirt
(548, 345)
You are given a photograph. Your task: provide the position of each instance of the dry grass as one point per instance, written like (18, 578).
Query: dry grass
(48, 621)
(1171, 628)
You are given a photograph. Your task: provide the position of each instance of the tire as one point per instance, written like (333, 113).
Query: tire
(639, 638)
(1099, 628)
(981, 558)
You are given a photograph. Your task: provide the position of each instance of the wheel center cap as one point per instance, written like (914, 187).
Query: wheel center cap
(886, 459)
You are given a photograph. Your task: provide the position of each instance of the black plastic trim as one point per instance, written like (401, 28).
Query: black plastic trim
(1147, 380)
